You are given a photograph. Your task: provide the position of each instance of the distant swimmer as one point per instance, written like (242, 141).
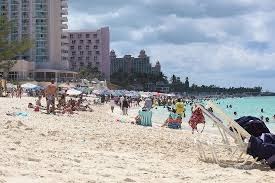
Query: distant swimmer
(262, 118)
(230, 106)
(267, 119)
(274, 116)
(262, 110)
(235, 113)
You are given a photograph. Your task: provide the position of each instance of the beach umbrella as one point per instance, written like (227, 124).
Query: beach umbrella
(29, 86)
(65, 85)
(73, 92)
(9, 85)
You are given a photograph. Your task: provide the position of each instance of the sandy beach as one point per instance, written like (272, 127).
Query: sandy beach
(92, 147)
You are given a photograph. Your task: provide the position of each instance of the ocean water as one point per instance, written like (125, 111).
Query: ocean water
(249, 106)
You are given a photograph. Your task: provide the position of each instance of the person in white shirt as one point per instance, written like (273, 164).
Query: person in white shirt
(112, 104)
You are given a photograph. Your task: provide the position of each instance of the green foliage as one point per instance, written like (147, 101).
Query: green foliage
(10, 49)
(90, 73)
(127, 79)
(178, 86)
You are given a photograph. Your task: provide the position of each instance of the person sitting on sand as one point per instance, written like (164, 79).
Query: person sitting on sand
(138, 117)
(30, 105)
(38, 101)
(173, 121)
(62, 100)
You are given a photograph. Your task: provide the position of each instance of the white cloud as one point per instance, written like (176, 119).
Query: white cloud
(224, 42)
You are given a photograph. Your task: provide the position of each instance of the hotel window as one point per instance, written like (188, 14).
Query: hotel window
(79, 58)
(72, 47)
(95, 58)
(87, 58)
(71, 36)
(81, 64)
(72, 58)
(95, 47)
(79, 47)
(73, 41)
(87, 35)
(81, 52)
(89, 64)
(97, 52)
(73, 53)
(79, 35)
(89, 41)
(89, 52)
(87, 47)
(81, 41)
(95, 35)
(97, 41)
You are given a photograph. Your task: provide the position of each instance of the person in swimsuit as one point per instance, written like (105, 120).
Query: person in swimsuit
(50, 97)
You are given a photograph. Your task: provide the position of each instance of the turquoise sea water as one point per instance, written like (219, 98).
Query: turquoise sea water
(249, 106)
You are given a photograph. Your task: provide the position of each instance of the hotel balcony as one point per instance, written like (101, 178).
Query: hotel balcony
(64, 19)
(64, 26)
(64, 12)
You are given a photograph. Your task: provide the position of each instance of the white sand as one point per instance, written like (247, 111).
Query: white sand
(92, 147)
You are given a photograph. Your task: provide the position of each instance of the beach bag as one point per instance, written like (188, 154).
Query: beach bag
(36, 109)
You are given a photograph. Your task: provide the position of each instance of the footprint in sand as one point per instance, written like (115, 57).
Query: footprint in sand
(129, 180)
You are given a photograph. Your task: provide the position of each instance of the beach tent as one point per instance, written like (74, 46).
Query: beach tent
(73, 92)
(29, 86)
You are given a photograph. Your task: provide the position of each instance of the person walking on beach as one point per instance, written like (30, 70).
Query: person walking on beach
(112, 104)
(50, 93)
(180, 110)
(19, 91)
(125, 106)
(121, 101)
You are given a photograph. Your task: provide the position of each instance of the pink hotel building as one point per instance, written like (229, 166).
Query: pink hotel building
(90, 49)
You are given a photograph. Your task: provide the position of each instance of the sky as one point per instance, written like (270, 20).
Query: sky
(221, 42)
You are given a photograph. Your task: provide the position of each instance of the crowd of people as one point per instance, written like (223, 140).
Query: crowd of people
(63, 105)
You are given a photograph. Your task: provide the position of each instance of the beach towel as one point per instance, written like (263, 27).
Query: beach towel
(196, 118)
(263, 147)
(254, 126)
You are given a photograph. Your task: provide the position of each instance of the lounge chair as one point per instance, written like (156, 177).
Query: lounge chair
(238, 134)
(146, 118)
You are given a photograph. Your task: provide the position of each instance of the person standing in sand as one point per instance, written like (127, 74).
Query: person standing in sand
(112, 104)
(50, 93)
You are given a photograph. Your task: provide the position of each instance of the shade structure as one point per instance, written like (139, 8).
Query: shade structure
(29, 86)
(9, 85)
(73, 92)
(65, 85)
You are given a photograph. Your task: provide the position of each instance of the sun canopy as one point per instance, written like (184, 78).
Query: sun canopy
(73, 92)
(29, 86)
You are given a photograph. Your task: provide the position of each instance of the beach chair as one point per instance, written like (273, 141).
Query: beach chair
(146, 118)
(174, 123)
(239, 136)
